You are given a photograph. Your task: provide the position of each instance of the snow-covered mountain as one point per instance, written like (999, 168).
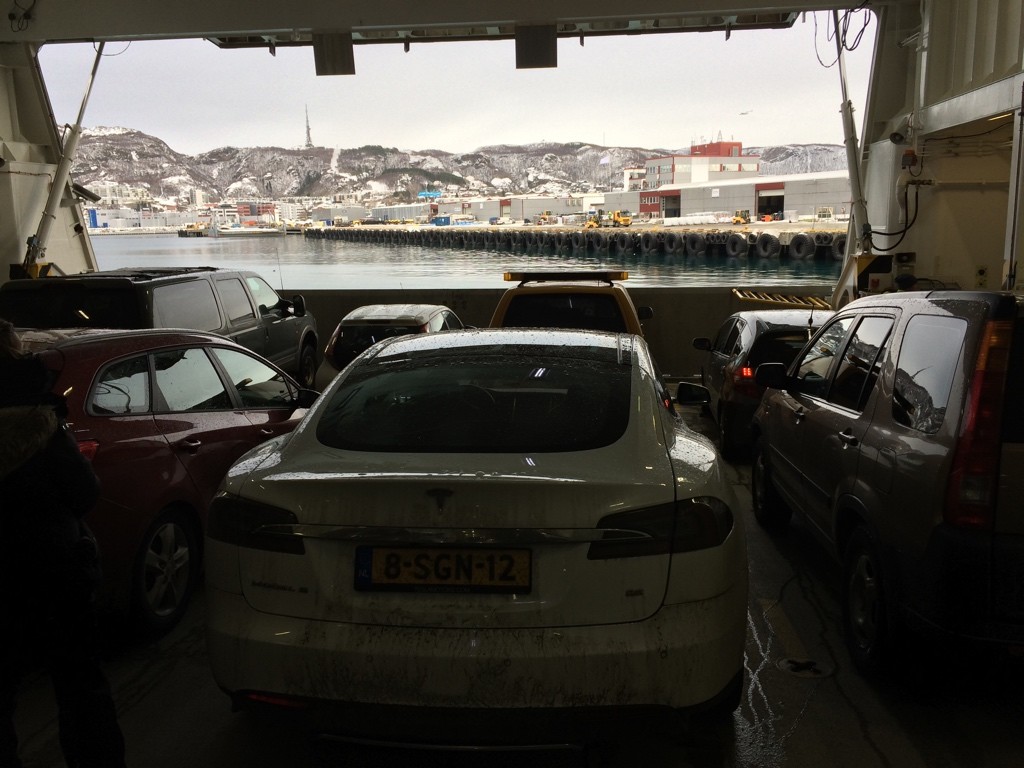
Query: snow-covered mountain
(126, 156)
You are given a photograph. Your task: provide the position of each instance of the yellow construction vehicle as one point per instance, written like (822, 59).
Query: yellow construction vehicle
(621, 219)
(613, 219)
(741, 217)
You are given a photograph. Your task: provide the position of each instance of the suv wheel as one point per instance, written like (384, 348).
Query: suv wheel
(166, 571)
(307, 365)
(870, 635)
(770, 510)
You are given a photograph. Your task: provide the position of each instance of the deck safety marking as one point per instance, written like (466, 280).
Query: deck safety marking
(777, 299)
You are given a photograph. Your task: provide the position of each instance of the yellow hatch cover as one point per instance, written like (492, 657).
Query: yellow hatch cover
(778, 299)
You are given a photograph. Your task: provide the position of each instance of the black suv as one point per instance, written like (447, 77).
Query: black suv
(897, 435)
(234, 303)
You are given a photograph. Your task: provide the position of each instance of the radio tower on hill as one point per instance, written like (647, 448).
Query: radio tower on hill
(309, 139)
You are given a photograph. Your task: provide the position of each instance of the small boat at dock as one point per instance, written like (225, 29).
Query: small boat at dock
(243, 231)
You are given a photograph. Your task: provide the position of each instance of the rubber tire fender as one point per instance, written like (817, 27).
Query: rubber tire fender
(802, 246)
(673, 242)
(736, 245)
(839, 247)
(696, 244)
(767, 245)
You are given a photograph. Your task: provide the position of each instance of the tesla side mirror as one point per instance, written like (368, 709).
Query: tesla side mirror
(772, 375)
(298, 305)
(644, 313)
(702, 343)
(692, 394)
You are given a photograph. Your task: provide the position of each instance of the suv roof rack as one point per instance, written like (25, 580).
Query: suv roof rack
(551, 276)
(145, 273)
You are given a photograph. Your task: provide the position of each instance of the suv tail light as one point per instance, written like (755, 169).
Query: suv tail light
(970, 492)
(682, 526)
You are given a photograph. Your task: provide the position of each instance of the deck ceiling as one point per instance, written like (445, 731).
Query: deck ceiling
(269, 24)
(582, 28)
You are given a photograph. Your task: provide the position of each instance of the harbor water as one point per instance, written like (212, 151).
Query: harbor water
(294, 262)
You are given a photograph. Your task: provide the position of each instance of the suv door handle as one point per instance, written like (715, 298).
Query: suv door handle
(798, 413)
(848, 438)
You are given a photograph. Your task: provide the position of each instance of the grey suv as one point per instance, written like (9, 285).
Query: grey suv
(898, 437)
(234, 303)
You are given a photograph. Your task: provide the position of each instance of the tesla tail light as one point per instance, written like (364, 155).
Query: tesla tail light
(682, 526)
(253, 525)
(970, 491)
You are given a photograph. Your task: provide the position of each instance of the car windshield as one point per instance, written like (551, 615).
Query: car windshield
(479, 403)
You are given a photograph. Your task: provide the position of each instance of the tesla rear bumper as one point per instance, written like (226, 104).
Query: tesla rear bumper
(682, 658)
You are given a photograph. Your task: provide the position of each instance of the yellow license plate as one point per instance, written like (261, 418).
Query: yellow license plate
(435, 569)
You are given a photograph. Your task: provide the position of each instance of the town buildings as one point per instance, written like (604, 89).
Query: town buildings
(712, 181)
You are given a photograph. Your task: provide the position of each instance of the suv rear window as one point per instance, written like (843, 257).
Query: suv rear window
(71, 305)
(186, 305)
(924, 375)
(481, 404)
(593, 311)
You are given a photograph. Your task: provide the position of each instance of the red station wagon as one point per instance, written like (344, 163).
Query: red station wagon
(161, 414)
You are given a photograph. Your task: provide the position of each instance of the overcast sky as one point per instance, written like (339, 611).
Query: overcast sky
(661, 91)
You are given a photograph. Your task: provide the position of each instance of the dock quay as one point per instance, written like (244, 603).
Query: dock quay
(764, 240)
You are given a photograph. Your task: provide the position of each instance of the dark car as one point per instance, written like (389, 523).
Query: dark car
(744, 341)
(898, 437)
(364, 326)
(587, 299)
(238, 304)
(161, 414)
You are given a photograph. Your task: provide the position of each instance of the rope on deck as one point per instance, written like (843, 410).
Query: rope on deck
(780, 300)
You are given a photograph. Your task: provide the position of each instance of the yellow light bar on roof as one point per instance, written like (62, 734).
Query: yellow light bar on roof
(540, 277)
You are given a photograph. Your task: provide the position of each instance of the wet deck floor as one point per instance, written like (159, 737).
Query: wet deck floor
(804, 705)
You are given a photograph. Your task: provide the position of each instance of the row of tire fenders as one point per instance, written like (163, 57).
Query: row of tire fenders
(802, 245)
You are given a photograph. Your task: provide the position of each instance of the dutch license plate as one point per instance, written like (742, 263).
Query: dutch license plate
(436, 569)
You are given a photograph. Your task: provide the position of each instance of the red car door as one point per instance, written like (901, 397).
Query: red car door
(198, 417)
(267, 395)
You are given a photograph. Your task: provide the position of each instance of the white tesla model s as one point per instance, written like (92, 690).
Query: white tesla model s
(476, 531)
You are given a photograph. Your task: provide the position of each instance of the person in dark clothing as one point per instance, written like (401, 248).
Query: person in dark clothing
(49, 566)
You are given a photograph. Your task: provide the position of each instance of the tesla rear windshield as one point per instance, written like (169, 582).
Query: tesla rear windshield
(479, 404)
(70, 305)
